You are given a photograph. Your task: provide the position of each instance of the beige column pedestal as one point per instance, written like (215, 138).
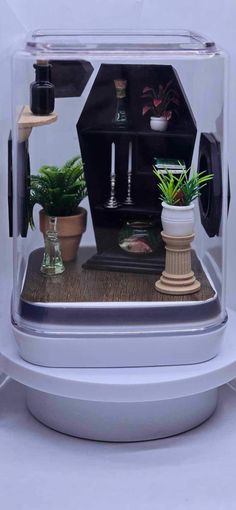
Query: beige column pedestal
(178, 277)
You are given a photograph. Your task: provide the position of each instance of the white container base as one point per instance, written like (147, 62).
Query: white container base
(99, 349)
(122, 404)
(121, 421)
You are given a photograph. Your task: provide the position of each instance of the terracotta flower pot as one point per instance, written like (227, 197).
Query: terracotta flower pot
(69, 229)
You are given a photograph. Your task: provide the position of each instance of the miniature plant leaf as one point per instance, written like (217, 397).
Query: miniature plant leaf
(181, 191)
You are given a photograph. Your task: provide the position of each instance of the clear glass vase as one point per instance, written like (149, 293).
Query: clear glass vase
(52, 263)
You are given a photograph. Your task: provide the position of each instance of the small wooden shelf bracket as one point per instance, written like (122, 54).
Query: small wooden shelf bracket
(27, 120)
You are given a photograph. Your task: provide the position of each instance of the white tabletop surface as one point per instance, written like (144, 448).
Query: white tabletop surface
(41, 469)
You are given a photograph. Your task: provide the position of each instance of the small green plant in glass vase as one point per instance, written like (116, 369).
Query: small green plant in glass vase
(59, 191)
(178, 193)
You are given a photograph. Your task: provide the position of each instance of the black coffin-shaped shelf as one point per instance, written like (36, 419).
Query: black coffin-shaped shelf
(210, 200)
(96, 132)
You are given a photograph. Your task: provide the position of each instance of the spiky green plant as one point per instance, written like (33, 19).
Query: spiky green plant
(58, 190)
(181, 190)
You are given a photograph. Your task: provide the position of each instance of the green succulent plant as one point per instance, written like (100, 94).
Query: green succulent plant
(181, 190)
(58, 190)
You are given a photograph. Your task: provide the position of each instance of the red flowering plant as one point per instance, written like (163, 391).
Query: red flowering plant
(159, 102)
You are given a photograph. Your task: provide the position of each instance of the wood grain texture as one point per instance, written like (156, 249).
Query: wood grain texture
(28, 120)
(82, 285)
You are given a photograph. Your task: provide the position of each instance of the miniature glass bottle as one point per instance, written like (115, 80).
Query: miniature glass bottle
(42, 90)
(120, 118)
(52, 263)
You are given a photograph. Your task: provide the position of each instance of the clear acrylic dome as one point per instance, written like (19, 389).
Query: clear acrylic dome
(109, 91)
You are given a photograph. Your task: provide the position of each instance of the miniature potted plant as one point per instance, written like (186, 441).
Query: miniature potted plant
(177, 194)
(59, 191)
(161, 104)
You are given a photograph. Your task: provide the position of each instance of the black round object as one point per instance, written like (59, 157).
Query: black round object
(210, 200)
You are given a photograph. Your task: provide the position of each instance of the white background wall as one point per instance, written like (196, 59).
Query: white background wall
(214, 18)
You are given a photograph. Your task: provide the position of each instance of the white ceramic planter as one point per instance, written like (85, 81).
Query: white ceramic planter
(177, 220)
(158, 123)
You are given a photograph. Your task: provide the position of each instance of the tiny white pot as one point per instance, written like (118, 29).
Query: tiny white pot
(158, 123)
(177, 220)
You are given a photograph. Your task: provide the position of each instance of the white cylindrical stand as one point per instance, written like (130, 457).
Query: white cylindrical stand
(122, 404)
(121, 421)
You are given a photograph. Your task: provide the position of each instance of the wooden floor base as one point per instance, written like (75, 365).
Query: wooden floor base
(81, 285)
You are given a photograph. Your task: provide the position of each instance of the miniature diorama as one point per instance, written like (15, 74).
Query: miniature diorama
(119, 181)
(147, 176)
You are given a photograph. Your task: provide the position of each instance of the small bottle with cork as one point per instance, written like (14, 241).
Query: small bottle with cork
(42, 91)
(120, 119)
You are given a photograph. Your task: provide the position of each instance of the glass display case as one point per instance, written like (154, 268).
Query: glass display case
(103, 120)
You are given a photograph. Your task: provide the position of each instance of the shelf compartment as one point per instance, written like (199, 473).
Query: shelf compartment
(110, 131)
(131, 210)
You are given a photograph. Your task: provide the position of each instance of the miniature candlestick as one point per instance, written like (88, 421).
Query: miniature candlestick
(178, 277)
(112, 203)
(113, 148)
(129, 200)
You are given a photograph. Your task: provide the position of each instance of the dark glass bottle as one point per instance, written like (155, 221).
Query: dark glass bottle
(42, 90)
(120, 119)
